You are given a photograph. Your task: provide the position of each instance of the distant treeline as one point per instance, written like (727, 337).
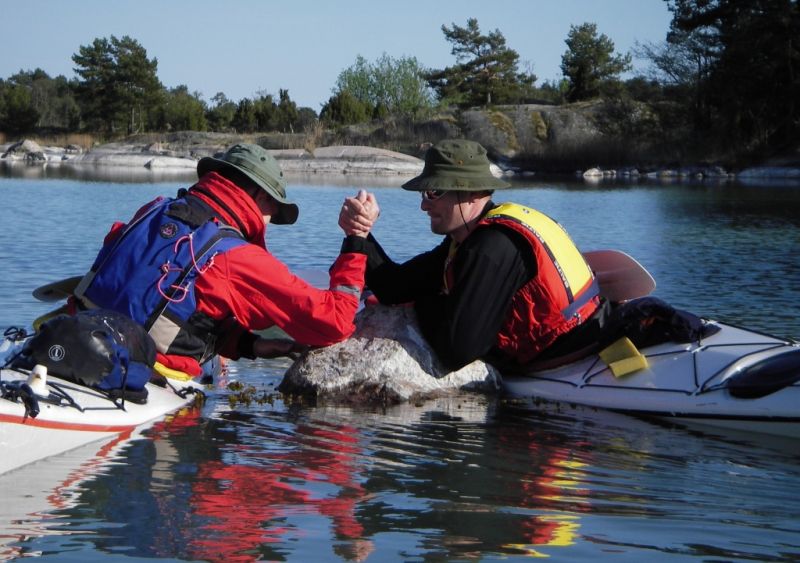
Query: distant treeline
(725, 80)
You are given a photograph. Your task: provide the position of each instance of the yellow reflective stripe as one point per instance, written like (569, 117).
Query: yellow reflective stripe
(575, 272)
(351, 289)
(170, 373)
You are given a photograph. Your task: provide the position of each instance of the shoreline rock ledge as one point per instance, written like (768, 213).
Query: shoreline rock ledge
(165, 157)
(386, 361)
(347, 159)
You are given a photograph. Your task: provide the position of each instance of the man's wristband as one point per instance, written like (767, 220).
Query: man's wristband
(354, 243)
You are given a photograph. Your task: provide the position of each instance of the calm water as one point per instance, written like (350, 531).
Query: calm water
(459, 479)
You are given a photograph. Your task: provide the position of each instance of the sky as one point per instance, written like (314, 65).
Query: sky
(247, 47)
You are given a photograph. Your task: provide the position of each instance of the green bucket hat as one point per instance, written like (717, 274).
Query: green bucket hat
(258, 165)
(456, 165)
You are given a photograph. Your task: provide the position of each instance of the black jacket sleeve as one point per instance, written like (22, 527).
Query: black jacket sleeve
(394, 283)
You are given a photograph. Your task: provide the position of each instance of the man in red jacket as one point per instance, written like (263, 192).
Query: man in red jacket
(196, 273)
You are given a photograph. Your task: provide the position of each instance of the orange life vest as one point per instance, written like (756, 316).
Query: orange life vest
(562, 295)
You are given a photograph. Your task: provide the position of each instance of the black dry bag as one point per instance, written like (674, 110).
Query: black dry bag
(98, 348)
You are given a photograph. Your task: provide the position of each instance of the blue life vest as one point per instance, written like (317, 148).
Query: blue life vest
(149, 274)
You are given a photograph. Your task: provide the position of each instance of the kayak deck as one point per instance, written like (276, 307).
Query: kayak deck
(682, 381)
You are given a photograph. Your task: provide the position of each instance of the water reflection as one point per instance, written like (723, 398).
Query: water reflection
(462, 478)
(142, 175)
(457, 478)
(88, 173)
(41, 499)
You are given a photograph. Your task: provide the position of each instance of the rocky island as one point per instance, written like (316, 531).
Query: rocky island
(178, 153)
(183, 157)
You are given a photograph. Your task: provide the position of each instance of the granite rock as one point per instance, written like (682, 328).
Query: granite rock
(386, 361)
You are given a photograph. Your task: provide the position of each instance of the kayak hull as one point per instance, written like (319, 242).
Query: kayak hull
(697, 383)
(87, 416)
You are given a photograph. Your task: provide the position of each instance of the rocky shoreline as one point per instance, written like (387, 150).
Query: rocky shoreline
(182, 157)
(163, 157)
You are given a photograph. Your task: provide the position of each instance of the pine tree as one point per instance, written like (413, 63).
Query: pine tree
(486, 72)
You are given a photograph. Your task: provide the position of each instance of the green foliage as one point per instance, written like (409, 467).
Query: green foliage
(683, 60)
(358, 80)
(3, 87)
(749, 92)
(31, 100)
(244, 120)
(589, 64)
(726, 76)
(681, 66)
(220, 115)
(117, 91)
(643, 89)
(118, 85)
(306, 119)
(388, 86)
(343, 108)
(400, 86)
(264, 114)
(17, 114)
(550, 92)
(181, 111)
(286, 115)
(58, 106)
(486, 70)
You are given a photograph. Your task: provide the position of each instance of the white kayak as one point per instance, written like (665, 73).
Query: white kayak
(39, 420)
(735, 378)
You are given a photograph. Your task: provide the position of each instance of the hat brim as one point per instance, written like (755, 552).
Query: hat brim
(287, 211)
(450, 183)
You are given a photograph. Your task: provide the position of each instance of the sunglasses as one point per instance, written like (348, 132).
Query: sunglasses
(432, 195)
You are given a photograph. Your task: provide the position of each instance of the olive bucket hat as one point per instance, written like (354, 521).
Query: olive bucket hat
(258, 165)
(456, 165)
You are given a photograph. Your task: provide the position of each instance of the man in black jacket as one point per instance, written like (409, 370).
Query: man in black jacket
(506, 284)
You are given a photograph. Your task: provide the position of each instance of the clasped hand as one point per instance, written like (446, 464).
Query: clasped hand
(359, 213)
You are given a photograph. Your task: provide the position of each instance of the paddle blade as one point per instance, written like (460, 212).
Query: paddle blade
(620, 276)
(58, 290)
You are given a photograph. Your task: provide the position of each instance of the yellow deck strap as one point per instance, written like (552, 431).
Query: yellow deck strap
(623, 357)
(170, 373)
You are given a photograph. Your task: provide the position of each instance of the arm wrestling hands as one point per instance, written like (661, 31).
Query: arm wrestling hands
(359, 213)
